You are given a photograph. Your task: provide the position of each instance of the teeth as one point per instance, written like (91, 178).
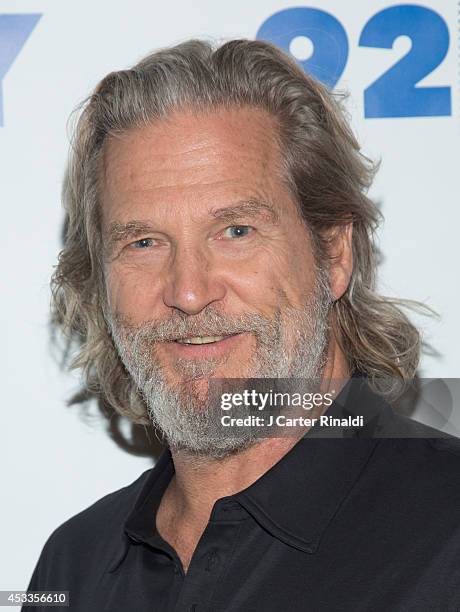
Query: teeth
(200, 340)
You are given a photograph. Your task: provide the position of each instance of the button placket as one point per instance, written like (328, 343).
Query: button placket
(209, 560)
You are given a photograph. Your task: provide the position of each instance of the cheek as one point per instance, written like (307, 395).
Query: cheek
(297, 270)
(276, 277)
(130, 293)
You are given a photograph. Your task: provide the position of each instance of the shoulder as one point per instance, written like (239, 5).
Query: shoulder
(401, 426)
(414, 465)
(106, 513)
(91, 536)
(424, 471)
(403, 435)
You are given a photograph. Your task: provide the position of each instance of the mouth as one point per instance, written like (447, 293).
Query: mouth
(203, 347)
(202, 339)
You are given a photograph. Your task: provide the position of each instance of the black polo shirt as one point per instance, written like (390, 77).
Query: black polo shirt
(346, 524)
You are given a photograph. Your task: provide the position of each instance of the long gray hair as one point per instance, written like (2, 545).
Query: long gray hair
(328, 176)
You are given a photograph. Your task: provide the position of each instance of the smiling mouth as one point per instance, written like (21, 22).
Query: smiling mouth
(202, 339)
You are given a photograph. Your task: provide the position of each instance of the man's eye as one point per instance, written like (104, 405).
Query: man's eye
(143, 243)
(237, 231)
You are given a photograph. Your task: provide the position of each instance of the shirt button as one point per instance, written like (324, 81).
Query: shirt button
(212, 561)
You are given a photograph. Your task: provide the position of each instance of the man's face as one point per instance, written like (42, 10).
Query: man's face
(209, 269)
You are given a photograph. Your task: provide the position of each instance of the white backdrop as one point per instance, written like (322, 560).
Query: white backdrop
(54, 463)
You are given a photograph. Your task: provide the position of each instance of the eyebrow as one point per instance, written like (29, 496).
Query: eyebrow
(247, 208)
(119, 232)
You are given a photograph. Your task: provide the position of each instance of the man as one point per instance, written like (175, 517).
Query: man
(219, 228)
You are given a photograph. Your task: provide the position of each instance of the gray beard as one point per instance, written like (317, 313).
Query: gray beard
(187, 418)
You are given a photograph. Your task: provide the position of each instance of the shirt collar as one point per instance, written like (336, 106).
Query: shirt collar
(297, 498)
(138, 520)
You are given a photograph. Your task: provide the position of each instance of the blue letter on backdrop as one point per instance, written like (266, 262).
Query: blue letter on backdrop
(14, 31)
(395, 93)
(330, 42)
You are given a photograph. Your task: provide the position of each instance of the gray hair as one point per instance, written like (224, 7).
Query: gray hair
(327, 174)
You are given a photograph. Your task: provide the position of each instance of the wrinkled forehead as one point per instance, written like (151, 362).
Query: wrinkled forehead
(193, 154)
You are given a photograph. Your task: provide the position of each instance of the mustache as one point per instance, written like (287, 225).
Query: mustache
(207, 323)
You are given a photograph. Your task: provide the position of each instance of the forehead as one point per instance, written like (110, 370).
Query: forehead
(227, 152)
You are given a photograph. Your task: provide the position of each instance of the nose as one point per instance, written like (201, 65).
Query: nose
(192, 281)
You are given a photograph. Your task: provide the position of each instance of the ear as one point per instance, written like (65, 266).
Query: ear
(340, 259)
